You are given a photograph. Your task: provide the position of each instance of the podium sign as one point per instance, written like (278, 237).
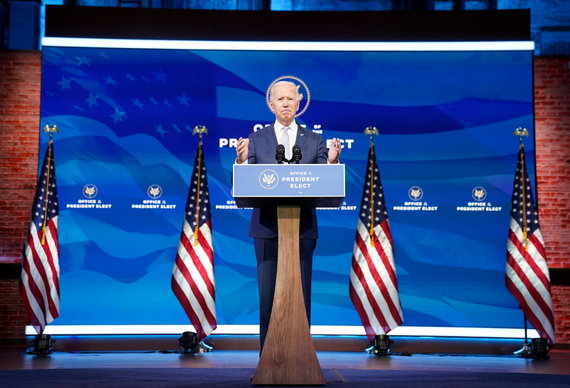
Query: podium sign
(256, 185)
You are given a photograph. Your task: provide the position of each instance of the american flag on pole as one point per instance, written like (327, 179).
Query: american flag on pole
(193, 272)
(373, 283)
(527, 276)
(39, 282)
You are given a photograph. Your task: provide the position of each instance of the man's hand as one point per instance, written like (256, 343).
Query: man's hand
(334, 151)
(241, 150)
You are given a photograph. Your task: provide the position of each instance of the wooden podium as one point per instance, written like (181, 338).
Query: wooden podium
(288, 356)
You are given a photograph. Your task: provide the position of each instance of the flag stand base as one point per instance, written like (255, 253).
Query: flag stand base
(43, 345)
(189, 343)
(538, 349)
(380, 345)
(524, 352)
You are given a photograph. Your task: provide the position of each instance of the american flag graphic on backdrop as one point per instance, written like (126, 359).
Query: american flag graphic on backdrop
(373, 283)
(39, 282)
(193, 272)
(527, 276)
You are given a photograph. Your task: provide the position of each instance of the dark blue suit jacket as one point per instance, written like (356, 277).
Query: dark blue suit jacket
(261, 150)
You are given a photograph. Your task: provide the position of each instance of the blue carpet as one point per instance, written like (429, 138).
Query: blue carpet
(240, 377)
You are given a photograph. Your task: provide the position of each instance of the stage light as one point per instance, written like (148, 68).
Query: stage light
(380, 345)
(540, 349)
(525, 351)
(189, 342)
(43, 345)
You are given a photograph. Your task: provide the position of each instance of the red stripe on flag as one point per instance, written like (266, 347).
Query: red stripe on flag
(189, 273)
(194, 266)
(355, 297)
(529, 260)
(54, 241)
(377, 277)
(527, 271)
(39, 283)
(526, 282)
(185, 302)
(529, 313)
(196, 292)
(34, 290)
(385, 260)
(370, 297)
(372, 255)
(197, 264)
(51, 282)
(538, 245)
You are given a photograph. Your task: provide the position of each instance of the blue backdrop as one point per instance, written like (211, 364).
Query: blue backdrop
(445, 119)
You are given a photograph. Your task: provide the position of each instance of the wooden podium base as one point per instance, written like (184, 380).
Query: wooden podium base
(288, 356)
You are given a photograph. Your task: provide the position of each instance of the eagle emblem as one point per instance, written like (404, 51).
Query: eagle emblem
(154, 191)
(90, 191)
(479, 193)
(415, 193)
(268, 179)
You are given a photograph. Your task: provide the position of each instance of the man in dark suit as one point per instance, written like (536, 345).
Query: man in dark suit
(260, 147)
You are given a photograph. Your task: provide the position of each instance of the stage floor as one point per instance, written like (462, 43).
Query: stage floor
(17, 359)
(235, 368)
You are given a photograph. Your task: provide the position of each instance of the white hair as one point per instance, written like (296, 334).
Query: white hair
(298, 96)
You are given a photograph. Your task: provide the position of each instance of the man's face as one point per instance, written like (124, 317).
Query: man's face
(284, 102)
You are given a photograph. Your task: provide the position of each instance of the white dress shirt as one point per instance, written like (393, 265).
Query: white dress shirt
(293, 127)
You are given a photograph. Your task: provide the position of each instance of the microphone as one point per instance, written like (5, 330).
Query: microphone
(296, 154)
(280, 153)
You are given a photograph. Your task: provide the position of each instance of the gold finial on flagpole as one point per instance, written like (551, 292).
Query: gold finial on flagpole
(200, 130)
(51, 128)
(371, 131)
(520, 132)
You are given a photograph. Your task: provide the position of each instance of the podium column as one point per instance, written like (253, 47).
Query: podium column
(288, 356)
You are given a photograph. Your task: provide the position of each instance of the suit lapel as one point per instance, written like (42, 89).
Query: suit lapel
(301, 136)
(270, 138)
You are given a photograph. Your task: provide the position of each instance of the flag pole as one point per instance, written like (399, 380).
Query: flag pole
(200, 130)
(42, 343)
(371, 131)
(525, 351)
(520, 132)
(381, 343)
(51, 129)
(525, 249)
(192, 342)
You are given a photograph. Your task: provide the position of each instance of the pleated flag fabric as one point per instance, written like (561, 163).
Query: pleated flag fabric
(373, 283)
(193, 273)
(527, 276)
(39, 282)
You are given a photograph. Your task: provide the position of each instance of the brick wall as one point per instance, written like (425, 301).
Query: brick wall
(20, 73)
(561, 302)
(552, 118)
(20, 76)
(12, 312)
